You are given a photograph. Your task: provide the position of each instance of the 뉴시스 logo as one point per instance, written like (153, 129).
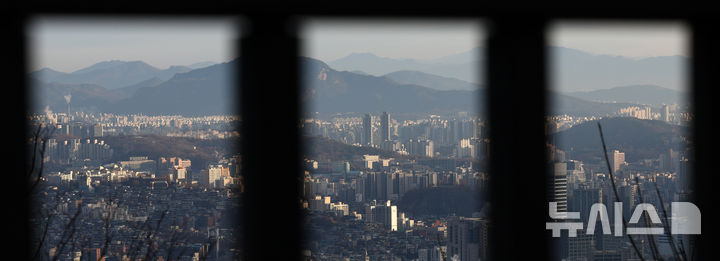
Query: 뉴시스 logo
(684, 220)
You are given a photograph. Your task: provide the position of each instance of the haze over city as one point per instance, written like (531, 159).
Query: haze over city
(138, 123)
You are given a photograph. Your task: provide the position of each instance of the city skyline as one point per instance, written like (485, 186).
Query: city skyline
(407, 183)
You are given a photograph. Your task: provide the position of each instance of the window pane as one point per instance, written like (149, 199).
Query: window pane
(631, 79)
(394, 135)
(136, 129)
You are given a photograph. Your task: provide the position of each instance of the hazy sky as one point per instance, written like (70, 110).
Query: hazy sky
(637, 40)
(329, 40)
(70, 44)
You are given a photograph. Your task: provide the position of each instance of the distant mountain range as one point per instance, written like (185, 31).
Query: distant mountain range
(110, 74)
(89, 97)
(462, 69)
(639, 139)
(203, 91)
(407, 91)
(199, 65)
(564, 104)
(130, 90)
(430, 80)
(206, 90)
(573, 70)
(639, 94)
(329, 91)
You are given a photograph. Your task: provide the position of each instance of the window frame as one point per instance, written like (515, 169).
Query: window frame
(272, 216)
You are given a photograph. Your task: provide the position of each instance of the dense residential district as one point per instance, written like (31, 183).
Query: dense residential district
(376, 186)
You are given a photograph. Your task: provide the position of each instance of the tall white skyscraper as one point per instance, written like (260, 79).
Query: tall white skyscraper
(665, 113)
(384, 213)
(616, 160)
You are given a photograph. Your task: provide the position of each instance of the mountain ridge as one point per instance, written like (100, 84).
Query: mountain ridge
(572, 70)
(206, 91)
(430, 80)
(330, 90)
(640, 94)
(111, 74)
(639, 139)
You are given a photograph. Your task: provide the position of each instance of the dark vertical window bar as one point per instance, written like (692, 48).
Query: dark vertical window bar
(516, 81)
(19, 193)
(517, 84)
(705, 54)
(271, 163)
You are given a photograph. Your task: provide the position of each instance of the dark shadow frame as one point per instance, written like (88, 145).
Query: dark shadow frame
(516, 63)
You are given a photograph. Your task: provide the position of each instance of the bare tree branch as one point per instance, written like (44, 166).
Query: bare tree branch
(667, 228)
(40, 139)
(69, 227)
(617, 197)
(651, 238)
(109, 218)
(44, 236)
(150, 237)
(33, 156)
